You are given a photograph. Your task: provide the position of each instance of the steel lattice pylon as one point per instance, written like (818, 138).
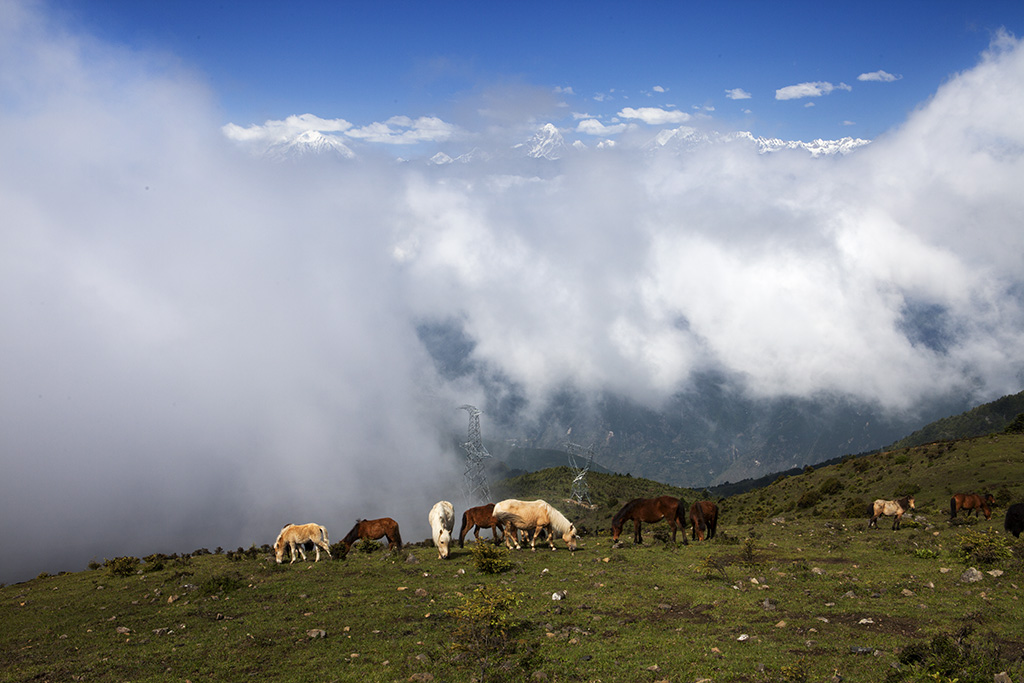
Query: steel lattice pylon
(474, 482)
(580, 490)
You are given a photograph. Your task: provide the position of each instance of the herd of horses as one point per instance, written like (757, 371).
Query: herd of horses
(508, 518)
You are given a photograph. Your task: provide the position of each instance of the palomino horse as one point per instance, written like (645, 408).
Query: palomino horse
(704, 517)
(442, 521)
(296, 536)
(894, 508)
(374, 529)
(478, 518)
(971, 502)
(534, 514)
(650, 510)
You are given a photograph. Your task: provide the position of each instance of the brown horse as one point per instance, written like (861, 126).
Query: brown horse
(704, 517)
(972, 502)
(650, 510)
(478, 518)
(374, 529)
(895, 508)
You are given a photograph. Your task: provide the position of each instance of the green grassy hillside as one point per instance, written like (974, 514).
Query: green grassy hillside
(984, 419)
(786, 592)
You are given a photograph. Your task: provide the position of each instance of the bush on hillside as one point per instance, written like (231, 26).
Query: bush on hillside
(809, 499)
(490, 558)
(1017, 426)
(950, 657)
(830, 486)
(982, 547)
(122, 566)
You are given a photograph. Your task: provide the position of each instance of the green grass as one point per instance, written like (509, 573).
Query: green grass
(791, 599)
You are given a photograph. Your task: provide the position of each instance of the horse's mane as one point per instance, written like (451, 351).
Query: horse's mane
(281, 533)
(559, 523)
(622, 515)
(353, 535)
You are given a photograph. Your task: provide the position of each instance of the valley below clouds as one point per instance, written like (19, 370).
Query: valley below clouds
(200, 345)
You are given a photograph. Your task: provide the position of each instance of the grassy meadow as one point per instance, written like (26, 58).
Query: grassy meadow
(795, 587)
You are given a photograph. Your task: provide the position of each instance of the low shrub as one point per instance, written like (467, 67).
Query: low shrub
(830, 486)
(122, 566)
(491, 559)
(982, 547)
(808, 499)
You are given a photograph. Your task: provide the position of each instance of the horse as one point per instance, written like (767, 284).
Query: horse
(1014, 522)
(296, 536)
(704, 517)
(374, 529)
(478, 518)
(533, 514)
(894, 508)
(972, 502)
(650, 510)
(442, 521)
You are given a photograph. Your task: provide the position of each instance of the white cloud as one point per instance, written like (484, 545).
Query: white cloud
(403, 130)
(658, 88)
(654, 116)
(276, 131)
(181, 318)
(810, 89)
(595, 127)
(738, 94)
(880, 76)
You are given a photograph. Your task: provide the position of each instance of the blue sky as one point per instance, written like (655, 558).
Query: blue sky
(368, 62)
(180, 315)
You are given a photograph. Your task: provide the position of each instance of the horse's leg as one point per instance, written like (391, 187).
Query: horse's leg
(638, 536)
(896, 521)
(316, 547)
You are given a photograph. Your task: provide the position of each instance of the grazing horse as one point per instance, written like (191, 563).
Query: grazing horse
(1014, 522)
(296, 536)
(894, 508)
(442, 521)
(704, 517)
(971, 502)
(478, 518)
(650, 510)
(374, 529)
(534, 514)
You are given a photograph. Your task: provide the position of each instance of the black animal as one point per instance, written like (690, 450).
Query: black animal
(1014, 519)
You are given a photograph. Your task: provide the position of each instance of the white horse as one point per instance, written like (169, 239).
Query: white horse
(536, 515)
(442, 521)
(297, 535)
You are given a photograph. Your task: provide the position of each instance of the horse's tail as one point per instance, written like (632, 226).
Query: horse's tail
(511, 518)
(398, 537)
(952, 507)
(323, 535)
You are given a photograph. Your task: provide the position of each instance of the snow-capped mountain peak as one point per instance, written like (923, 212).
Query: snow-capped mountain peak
(309, 143)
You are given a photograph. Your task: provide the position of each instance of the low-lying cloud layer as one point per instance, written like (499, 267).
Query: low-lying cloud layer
(200, 346)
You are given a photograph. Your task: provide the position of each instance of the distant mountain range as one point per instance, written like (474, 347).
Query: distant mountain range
(548, 143)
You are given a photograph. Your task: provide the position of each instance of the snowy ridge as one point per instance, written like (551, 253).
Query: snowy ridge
(685, 138)
(308, 143)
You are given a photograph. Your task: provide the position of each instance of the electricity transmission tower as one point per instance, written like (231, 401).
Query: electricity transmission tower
(474, 481)
(580, 490)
